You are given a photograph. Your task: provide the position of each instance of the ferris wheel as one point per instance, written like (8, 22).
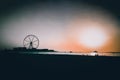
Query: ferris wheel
(30, 42)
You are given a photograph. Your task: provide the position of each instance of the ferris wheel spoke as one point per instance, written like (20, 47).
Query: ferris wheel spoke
(32, 38)
(27, 44)
(35, 41)
(26, 40)
(35, 45)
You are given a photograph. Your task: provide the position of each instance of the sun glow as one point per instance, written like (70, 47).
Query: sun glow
(92, 37)
(63, 28)
(94, 53)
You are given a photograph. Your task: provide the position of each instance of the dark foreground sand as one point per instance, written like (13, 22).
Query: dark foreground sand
(33, 66)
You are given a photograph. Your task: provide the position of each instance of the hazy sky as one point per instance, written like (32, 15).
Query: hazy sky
(77, 25)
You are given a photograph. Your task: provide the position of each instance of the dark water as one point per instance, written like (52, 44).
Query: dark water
(49, 66)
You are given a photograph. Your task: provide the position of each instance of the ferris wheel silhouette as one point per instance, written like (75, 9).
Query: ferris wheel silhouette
(31, 41)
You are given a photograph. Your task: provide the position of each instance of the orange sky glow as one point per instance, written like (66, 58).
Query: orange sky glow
(62, 29)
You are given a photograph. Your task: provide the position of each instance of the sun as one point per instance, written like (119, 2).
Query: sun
(92, 37)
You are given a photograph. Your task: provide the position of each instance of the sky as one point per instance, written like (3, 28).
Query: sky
(63, 25)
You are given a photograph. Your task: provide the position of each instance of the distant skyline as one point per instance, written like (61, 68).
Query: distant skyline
(62, 25)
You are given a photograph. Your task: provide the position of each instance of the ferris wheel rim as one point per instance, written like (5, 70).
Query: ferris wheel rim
(31, 40)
